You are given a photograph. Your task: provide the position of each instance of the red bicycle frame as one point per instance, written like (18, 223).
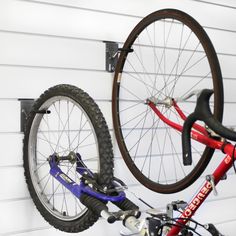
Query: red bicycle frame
(199, 134)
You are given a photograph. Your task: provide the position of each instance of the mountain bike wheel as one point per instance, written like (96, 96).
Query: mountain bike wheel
(167, 55)
(65, 120)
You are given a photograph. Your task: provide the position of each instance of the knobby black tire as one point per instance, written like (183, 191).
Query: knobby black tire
(218, 97)
(105, 175)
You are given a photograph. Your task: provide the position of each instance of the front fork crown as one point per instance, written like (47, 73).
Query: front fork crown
(85, 186)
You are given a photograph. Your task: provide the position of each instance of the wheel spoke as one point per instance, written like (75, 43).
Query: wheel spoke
(66, 128)
(170, 59)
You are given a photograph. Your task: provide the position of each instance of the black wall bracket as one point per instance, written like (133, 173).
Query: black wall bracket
(25, 107)
(111, 55)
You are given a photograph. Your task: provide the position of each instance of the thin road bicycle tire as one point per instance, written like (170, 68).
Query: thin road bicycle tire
(167, 55)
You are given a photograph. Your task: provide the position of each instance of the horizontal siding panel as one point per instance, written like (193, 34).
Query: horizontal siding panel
(13, 186)
(156, 200)
(216, 38)
(121, 171)
(101, 227)
(12, 128)
(9, 116)
(123, 15)
(230, 115)
(96, 83)
(136, 8)
(228, 4)
(78, 23)
(11, 149)
(51, 52)
(228, 228)
(229, 88)
(26, 218)
(215, 212)
(20, 215)
(227, 65)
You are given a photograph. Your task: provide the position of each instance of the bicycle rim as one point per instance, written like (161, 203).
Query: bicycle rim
(59, 133)
(167, 55)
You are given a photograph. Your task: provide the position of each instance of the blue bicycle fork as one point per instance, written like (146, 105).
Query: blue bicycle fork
(94, 198)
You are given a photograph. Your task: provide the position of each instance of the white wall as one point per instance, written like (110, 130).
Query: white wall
(47, 42)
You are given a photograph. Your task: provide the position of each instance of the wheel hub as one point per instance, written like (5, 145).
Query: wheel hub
(71, 157)
(167, 102)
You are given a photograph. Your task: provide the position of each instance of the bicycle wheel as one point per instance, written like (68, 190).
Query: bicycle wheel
(71, 123)
(167, 55)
